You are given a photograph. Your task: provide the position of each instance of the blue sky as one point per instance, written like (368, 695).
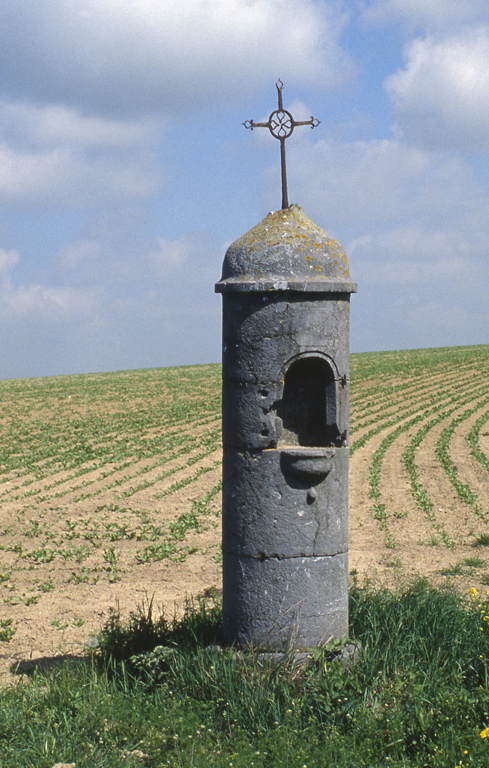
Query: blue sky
(125, 170)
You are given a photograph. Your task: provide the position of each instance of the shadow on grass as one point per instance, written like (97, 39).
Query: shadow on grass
(165, 693)
(30, 667)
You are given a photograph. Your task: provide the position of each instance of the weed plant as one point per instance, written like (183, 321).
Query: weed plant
(164, 693)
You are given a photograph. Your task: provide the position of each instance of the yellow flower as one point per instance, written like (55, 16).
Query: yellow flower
(473, 592)
(484, 734)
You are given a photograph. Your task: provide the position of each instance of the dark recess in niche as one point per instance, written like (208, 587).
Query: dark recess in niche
(308, 406)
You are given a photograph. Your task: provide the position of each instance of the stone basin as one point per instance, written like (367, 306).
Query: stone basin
(306, 464)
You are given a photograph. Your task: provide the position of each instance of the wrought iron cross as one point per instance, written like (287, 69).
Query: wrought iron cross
(281, 124)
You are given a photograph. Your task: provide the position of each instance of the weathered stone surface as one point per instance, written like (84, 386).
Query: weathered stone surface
(286, 321)
(286, 289)
(262, 337)
(270, 512)
(286, 250)
(296, 602)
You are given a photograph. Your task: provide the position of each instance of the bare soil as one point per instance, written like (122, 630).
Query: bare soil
(417, 546)
(72, 561)
(75, 548)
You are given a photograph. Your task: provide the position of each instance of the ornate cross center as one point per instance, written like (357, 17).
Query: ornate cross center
(281, 124)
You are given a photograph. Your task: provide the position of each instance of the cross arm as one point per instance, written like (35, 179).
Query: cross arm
(313, 122)
(251, 124)
(281, 125)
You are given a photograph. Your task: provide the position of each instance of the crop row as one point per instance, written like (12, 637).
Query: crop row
(114, 471)
(103, 475)
(395, 409)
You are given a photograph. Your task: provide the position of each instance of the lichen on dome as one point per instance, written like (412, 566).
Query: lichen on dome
(287, 247)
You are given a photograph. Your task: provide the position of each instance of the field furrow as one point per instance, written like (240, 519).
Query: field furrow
(425, 477)
(110, 487)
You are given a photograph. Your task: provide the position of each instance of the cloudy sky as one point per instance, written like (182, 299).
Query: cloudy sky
(125, 170)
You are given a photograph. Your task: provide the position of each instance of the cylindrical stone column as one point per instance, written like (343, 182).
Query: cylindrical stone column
(286, 289)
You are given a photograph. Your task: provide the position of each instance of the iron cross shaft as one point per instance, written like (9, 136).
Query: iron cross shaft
(281, 124)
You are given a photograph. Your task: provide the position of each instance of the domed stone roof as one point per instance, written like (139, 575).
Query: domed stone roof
(286, 251)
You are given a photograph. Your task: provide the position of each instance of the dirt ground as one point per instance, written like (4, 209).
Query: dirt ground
(418, 547)
(70, 555)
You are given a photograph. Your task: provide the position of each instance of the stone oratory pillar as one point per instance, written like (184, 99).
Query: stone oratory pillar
(286, 290)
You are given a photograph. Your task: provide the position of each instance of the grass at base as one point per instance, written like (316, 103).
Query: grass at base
(160, 694)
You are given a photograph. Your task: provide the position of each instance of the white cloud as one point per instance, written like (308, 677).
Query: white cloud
(435, 14)
(47, 303)
(8, 260)
(439, 317)
(52, 327)
(56, 155)
(414, 224)
(52, 125)
(413, 256)
(166, 55)
(412, 242)
(80, 254)
(42, 302)
(171, 257)
(441, 98)
(361, 184)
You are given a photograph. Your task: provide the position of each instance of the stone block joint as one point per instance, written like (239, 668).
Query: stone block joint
(285, 435)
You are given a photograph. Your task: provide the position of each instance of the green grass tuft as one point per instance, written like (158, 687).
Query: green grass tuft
(482, 540)
(162, 693)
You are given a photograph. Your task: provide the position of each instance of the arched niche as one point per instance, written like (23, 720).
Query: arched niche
(308, 408)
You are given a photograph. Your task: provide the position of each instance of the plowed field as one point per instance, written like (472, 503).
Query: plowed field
(110, 489)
